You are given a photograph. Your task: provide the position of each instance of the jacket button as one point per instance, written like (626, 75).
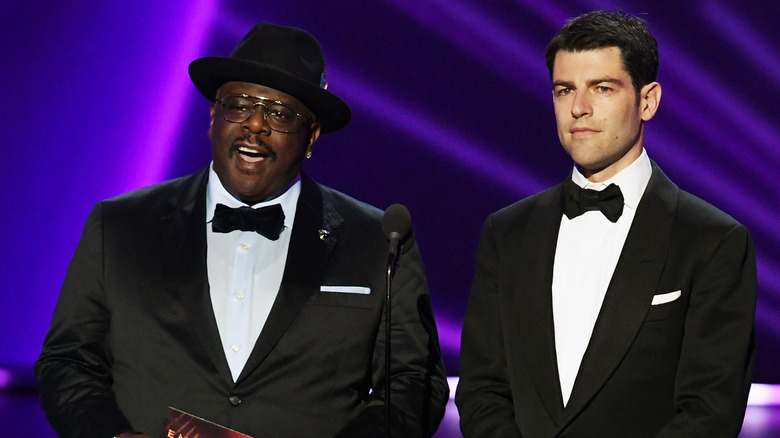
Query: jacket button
(235, 400)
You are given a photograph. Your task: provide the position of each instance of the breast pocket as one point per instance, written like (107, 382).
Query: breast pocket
(345, 296)
(666, 305)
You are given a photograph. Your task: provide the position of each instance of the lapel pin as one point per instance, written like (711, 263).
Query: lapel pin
(324, 234)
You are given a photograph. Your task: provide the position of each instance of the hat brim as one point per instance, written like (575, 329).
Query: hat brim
(209, 73)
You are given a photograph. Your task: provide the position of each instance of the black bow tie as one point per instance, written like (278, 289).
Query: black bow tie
(268, 221)
(575, 200)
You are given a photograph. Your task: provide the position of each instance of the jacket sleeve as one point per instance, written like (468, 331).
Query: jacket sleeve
(716, 360)
(484, 397)
(419, 390)
(74, 367)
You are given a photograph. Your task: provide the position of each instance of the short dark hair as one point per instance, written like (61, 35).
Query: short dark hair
(601, 29)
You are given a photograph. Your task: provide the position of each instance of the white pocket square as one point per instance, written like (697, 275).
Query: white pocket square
(360, 290)
(666, 298)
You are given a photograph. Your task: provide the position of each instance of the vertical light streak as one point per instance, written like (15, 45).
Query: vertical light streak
(156, 136)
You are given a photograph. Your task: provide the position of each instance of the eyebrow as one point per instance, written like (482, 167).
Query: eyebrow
(590, 83)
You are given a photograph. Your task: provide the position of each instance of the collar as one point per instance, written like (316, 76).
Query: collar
(632, 180)
(216, 193)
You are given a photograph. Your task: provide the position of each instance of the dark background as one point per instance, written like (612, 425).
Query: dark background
(452, 116)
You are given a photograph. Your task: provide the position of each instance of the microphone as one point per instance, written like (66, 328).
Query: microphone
(397, 226)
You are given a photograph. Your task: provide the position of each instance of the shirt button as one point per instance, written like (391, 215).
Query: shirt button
(245, 247)
(235, 348)
(239, 296)
(235, 400)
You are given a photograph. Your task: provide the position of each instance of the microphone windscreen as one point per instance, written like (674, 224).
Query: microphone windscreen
(397, 222)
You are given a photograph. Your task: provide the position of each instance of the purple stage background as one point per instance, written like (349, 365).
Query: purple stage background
(452, 116)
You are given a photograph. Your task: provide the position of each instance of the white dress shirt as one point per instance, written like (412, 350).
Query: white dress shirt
(245, 272)
(586, 254)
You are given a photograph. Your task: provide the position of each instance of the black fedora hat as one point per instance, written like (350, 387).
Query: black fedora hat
(284, 58)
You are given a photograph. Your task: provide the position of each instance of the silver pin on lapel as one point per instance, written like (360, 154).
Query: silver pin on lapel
(324, 234)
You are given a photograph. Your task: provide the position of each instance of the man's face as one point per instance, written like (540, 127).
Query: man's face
(252, 161)
(600, 120)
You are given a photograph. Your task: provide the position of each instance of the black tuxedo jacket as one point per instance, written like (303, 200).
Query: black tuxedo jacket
(679, 369)
(133, 331)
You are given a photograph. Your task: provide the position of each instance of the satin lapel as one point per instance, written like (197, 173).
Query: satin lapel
(531, 298)
(630, 291)
(184, 259)
(306, 259)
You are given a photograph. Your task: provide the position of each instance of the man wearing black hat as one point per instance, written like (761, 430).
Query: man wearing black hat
(245, 294)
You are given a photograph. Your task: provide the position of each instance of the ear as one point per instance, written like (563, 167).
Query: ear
(649, 100)
(314, 134)
(212, 113)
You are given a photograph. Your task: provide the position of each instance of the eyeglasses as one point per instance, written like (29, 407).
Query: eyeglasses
(238, 108)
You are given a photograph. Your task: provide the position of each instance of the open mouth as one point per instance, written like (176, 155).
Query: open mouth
(252, 153)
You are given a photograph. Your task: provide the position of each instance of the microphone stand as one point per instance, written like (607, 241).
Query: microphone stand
(392, 258)
(397, 226)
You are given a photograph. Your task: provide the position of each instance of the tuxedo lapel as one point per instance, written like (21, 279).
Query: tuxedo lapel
(531, 298)
(630, 291)
(184, 263)
(307, 256)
